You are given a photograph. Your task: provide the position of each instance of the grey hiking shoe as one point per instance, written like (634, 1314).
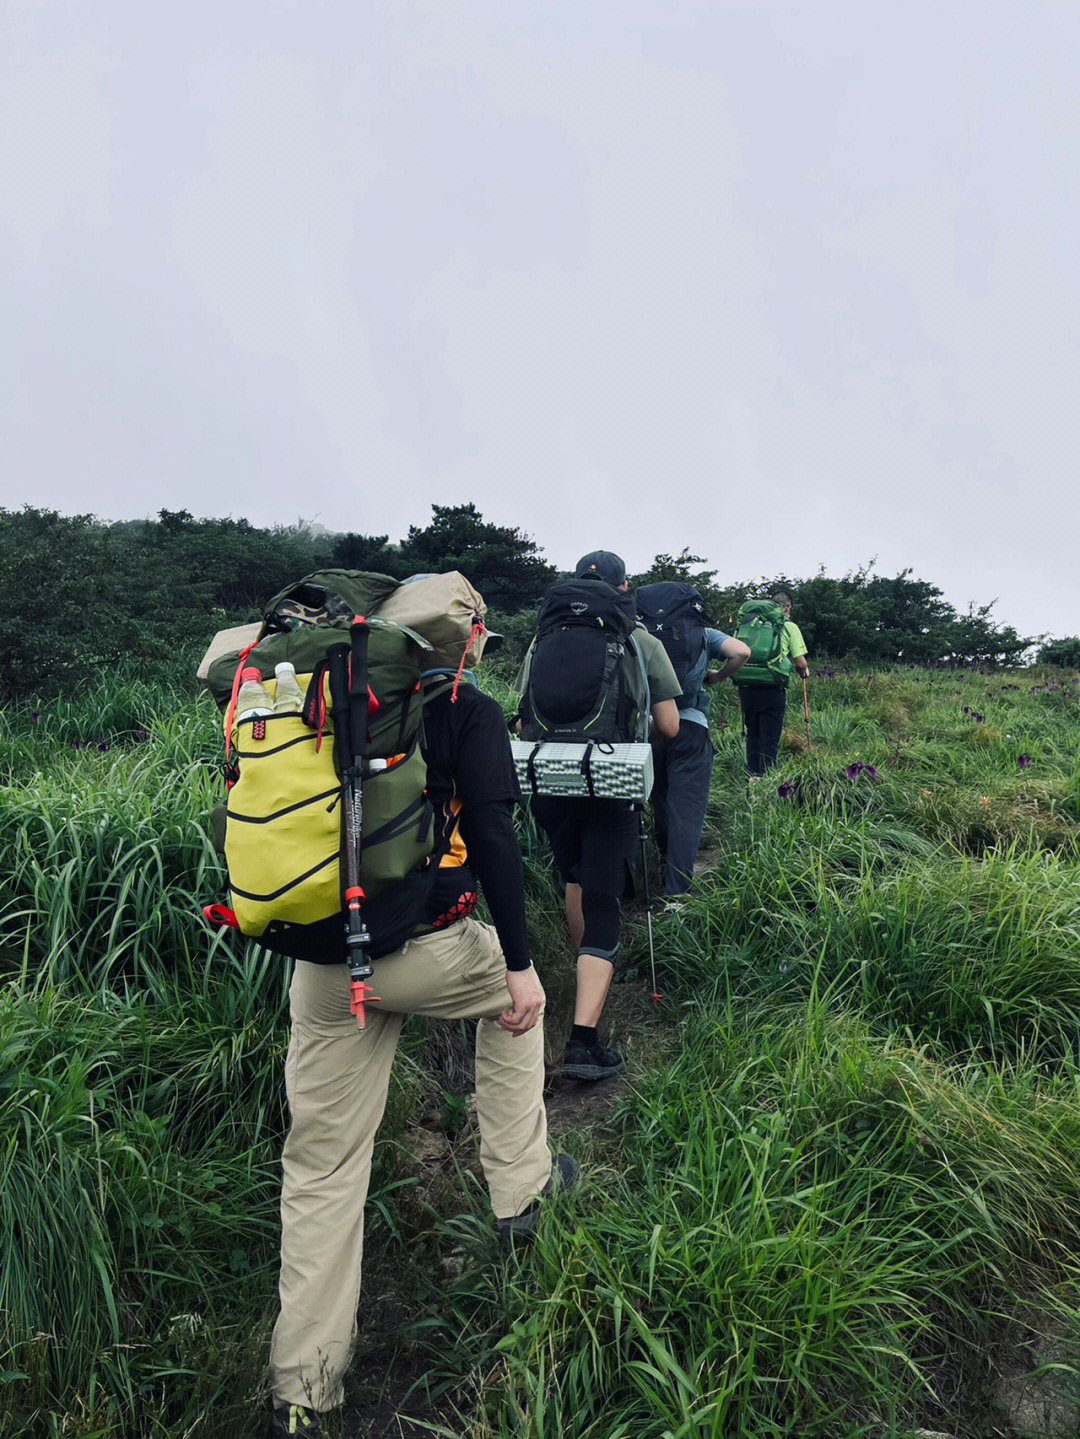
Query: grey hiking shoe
(580, 1062)
(293, 1421)
(520, 1228)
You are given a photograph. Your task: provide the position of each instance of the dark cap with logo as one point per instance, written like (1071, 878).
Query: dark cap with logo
(601, 565)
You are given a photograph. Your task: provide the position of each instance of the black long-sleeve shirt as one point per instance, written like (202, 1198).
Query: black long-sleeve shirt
(473, 787)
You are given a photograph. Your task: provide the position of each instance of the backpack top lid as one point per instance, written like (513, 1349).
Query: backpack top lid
(588, 603)
(328, 597)
(762, 609)
(674, 612)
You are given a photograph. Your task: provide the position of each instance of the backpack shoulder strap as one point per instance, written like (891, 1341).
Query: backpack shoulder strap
(441, 681)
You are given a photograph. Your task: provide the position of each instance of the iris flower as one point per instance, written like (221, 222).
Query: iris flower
(1023, 761)
(855, 770)
(784, 790)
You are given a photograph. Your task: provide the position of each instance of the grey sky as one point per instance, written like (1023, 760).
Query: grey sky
(794, 284)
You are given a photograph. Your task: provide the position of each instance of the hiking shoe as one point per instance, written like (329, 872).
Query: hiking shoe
(565, 1173)
(580, 1062)
(292, 1420)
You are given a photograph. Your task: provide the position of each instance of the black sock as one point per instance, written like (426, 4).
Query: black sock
(584, 1034)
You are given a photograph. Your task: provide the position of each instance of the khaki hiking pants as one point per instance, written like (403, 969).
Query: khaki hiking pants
(336, 1079)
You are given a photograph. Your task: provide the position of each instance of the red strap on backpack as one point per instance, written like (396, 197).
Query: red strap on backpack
(474, 634)
(235, 691)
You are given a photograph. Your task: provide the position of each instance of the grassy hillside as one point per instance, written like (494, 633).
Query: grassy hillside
(841, 1195)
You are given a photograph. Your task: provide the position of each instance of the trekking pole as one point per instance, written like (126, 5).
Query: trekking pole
(806, 711)
(656, 995)
(348, 693)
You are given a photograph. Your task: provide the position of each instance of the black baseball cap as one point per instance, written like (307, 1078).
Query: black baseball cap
(601, 565)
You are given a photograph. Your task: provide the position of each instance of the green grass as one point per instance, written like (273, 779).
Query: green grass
(802, 1222)
(841, 1186)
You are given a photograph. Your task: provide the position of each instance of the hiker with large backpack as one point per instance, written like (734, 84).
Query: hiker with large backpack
(776, 648)
(448, 832)
(593, 674)
(674, 613)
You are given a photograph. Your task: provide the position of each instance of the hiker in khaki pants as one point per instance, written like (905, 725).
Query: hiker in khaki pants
(336, 1075)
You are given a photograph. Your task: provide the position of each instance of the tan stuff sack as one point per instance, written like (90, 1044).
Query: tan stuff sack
(446, 610)
(227, 642)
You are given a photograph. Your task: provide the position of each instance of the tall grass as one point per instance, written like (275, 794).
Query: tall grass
(817, 1219)
(805, 1229)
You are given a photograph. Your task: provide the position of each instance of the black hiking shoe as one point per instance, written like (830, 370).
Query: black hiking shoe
(521, 1228)
(580, 1062)
(293, 1421)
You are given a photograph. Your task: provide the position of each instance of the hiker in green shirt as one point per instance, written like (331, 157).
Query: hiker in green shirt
(764, 696)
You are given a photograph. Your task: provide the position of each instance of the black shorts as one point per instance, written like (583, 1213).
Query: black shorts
(592, 840)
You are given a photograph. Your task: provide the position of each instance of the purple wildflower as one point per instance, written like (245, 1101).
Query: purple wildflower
(1023, 761)
(784, 790)
(871, 771)
(967, 709)
(103, 746)
(855, 770)
(979, 719)
(77, 743)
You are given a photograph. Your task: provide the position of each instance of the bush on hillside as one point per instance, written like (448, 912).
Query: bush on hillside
(1065, 653)
(75, 593)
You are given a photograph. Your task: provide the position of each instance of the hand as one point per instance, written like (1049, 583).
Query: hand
(527, 998)
(712, 677)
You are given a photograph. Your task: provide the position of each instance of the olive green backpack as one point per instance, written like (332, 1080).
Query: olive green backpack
(283, 840)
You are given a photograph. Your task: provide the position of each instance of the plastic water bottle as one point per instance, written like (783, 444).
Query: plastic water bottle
(252, 700)
(288, 697)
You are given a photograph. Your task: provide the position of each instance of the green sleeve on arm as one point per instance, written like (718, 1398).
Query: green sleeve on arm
(796, 645)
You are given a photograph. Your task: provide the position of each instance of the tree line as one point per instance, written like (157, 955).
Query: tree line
(76, 592)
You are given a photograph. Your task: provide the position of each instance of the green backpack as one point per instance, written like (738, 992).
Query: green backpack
(761, 627)
(283, 817)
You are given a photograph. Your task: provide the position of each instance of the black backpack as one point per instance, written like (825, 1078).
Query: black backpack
(675, 613)
(575, 686)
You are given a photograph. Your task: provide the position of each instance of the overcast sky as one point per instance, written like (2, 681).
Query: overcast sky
(793, 284)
